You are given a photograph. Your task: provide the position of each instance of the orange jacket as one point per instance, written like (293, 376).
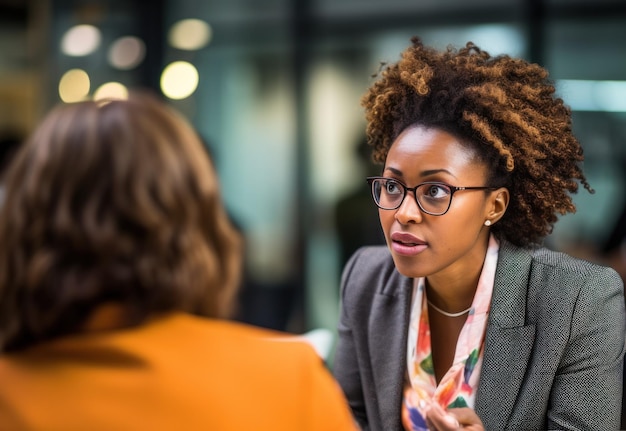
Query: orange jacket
(178, 372)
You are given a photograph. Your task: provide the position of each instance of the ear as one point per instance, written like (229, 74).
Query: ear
(498, 203)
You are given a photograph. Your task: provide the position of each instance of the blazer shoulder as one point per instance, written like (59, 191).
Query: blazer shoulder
(572, 267)
(371, 254)
(371, 270)
(546, 260)
(368, 261)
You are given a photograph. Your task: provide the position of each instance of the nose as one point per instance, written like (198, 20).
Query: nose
(409, 211)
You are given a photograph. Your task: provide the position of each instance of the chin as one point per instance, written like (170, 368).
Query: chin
(407, 266)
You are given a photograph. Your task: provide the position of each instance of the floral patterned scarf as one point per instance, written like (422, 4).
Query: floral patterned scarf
(458, 386)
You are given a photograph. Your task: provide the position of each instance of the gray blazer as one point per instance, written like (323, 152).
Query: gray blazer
(554, 344)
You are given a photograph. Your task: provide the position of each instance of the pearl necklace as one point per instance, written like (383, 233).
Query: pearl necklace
(445, 313)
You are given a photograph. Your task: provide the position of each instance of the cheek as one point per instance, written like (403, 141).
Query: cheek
(463, 222)
(386, 220)
(468, 206)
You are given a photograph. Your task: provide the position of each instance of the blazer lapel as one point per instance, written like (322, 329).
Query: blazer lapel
(388, 329)
(508, 341)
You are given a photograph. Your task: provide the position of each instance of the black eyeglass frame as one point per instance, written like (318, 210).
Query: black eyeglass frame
(405, 189)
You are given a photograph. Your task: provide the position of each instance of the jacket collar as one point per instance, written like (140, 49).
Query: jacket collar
(508, 340)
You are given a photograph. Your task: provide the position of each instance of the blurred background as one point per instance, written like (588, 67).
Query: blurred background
(273, 87)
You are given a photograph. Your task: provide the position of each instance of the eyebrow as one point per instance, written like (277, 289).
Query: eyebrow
(423, 173)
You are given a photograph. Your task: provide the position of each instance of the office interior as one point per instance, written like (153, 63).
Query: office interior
(273, 88)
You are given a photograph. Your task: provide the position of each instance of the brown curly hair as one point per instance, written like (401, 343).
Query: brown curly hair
(503, 107)
(114, 202)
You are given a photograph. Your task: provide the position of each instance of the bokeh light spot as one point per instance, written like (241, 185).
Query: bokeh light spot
(127, 52)
(111, 90)
(190, 34)
(179, 80)
(74, 86)
(81, 40)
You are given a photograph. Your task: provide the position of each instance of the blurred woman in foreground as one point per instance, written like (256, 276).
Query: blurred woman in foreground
(118, 267)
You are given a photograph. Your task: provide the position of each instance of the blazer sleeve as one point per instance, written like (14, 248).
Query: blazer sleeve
(345, 365)
(593, 358)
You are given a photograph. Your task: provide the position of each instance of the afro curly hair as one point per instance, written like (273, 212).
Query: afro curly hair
(505, 108)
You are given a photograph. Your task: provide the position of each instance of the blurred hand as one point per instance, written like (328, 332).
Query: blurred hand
(454, 419)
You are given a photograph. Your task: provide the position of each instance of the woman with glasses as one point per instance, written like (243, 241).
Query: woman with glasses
(464, 320)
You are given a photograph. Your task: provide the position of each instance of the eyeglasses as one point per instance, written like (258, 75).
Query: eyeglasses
(432, 197)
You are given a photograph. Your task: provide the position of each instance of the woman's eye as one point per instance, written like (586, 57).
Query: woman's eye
(437, 191)
(392, 188)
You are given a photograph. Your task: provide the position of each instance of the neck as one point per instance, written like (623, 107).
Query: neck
(106, 317)
(453, 289)
(443, 312)
(452, 294)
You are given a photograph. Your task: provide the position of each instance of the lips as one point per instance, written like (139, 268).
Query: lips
(406, 238)
(407, 244)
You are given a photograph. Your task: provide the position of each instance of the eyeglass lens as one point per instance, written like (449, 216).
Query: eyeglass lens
(432, 198)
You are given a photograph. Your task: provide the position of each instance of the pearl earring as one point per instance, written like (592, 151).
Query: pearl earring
(487, 222)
